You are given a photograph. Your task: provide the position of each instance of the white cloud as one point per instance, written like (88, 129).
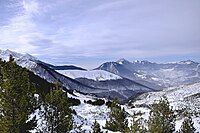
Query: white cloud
(30, 6)
(76, 29)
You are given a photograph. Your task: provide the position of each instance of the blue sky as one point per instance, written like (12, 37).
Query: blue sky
(89, 32)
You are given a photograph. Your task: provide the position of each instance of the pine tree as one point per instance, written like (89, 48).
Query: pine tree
(117, 118)
(162, 118)
(17, 99)
(57, 112)
(96, 127)
(187, 126)
(137, 125)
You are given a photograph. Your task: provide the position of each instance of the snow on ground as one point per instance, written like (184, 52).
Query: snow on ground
(182, 97)
(97, 75)
(86, 113)
(185, 96)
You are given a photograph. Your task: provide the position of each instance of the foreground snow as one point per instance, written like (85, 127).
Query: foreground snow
(87, 114)
(182, 97)
(179, 97)
(185, 97)
(97, 75)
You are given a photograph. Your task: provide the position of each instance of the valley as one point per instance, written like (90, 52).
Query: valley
(137, 85)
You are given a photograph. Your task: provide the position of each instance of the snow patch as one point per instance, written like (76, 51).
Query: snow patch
(97, 75)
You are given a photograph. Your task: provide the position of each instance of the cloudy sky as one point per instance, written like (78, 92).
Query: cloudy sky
(89, 32)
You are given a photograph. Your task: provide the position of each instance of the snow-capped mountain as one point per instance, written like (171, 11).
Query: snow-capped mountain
(119, 68)
(108, 85)
(153, 74)
(97, 75)
(123, 79)
(107, 88)
(38, 68)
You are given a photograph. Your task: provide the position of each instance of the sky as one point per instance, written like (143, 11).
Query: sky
(90, 32)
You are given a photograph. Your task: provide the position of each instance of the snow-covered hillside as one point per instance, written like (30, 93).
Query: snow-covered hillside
(97, 75)
(99, 82)
(155, 75)
(182, 97)
(186, 96)
(87, 113)
(101, 86)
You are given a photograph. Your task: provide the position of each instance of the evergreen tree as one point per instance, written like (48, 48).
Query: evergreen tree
(162, 118)
(17, 99)
(137, 125)
(96, 127)
(117, 118)
(57, 112)
(187, 126)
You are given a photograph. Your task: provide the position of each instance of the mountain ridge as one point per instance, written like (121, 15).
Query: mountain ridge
(43, 70)
(159, 75)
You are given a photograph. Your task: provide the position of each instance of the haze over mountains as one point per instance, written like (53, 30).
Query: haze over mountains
(121, 79)
(119, 66)
(137, 83)
(160, 75)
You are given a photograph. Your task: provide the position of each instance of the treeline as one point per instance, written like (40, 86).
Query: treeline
(22, 94)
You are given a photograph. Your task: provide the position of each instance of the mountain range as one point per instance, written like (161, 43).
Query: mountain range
(122, 79)
(137, 84)
(155, 75)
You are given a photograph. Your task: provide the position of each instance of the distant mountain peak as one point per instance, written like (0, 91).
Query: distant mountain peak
(146, 62)
(4, 54)
(123, 61)
(136, 61)
(187, 62)
(142, 62)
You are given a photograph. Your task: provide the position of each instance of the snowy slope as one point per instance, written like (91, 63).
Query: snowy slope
(85, 117)
(155, 75)
(101, 87)
(97, 75)
(38, 68)
(185, 96)
(86, 113)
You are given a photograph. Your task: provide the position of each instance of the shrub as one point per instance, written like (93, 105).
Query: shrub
(97, 102)
(74, 101)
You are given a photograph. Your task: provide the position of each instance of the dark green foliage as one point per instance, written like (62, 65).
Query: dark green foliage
(57, 112)
(41, 85)
(11, 59)
(17, 99)
(74, 112)
(117, 118)
(98, 102)
(74, 101)
(108, 104)
(187, 126)
(96, 127)
(137, 126)
(162, 118)
(30, 125)
(17, 89)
